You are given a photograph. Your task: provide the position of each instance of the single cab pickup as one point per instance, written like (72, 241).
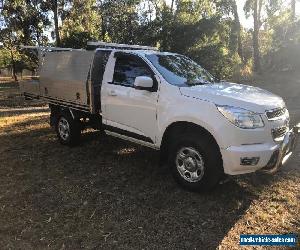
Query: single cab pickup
(204, 127)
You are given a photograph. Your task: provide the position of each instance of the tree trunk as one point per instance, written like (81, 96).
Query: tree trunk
(103, 28)
(13, 64)
(61, 5)
(293, 9)
(12, 58)
(150, 12)
(256, 54)
(172, 6)
(55, 12)
(238, 26)
(103, 21)
(164, 28)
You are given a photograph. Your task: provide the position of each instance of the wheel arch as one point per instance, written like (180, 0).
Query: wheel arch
(56, 111)
(193, 136)
(182, 127)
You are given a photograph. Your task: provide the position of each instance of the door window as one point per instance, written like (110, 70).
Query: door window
(127, 68)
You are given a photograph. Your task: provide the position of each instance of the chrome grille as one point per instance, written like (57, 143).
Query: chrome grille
(271, 114)
(278, 133)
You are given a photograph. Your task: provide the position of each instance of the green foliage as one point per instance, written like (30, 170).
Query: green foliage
(284, 51)
(26, 19)
(24, 23)
(119, 21)
(5, 60)
(80, 21)
(77, 39)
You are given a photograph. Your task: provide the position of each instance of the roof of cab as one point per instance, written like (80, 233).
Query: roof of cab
(139, 52)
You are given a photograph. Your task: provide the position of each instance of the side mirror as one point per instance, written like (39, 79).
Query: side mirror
(143, 83)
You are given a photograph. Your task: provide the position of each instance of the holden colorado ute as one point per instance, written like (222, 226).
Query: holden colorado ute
(204, 127)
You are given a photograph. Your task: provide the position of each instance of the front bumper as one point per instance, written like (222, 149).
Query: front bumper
(285, 150)
(271, 156)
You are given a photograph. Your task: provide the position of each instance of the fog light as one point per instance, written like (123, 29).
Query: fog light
(250, 161)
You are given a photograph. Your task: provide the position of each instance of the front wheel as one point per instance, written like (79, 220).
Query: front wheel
(196, 162)
(67, 129)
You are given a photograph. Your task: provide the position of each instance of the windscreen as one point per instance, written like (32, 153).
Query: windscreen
(180, 70)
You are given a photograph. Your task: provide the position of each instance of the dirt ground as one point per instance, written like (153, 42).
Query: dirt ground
(109, 194)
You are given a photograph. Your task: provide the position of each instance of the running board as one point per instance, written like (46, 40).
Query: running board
(127, 138)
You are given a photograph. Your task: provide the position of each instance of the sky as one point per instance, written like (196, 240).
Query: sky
(247, 23)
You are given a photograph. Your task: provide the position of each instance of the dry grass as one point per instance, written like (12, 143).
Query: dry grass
(108, 194)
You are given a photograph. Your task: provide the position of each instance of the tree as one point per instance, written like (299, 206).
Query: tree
(255, 8)
(54, 8)
(81, 24)
(293, 10)
(228, 8)
(237, 28)
(257, 24)
(23, 24)
(8, 40)
(26, 18)
(57, 9)
(119, 20)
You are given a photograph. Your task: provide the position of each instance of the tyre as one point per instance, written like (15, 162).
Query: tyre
(196, 162)
(67, 129)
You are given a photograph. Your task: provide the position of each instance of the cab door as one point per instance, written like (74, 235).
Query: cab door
(128, 111)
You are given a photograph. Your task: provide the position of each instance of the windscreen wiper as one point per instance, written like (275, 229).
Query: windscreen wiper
(195, 83)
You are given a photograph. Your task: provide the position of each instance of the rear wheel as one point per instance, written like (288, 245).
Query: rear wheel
(67, 129)
(196, 162)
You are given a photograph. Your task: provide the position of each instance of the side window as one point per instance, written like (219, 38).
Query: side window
(127, 68)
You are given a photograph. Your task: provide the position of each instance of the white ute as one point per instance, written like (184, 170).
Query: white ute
(204, 127)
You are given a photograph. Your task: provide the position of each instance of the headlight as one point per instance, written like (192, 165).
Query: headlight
(241, 118)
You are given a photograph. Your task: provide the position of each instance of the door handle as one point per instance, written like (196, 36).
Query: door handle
(112, 93)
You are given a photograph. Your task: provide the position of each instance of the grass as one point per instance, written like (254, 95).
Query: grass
(110, 194)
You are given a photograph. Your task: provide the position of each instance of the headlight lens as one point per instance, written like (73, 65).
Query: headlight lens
(241, 118)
